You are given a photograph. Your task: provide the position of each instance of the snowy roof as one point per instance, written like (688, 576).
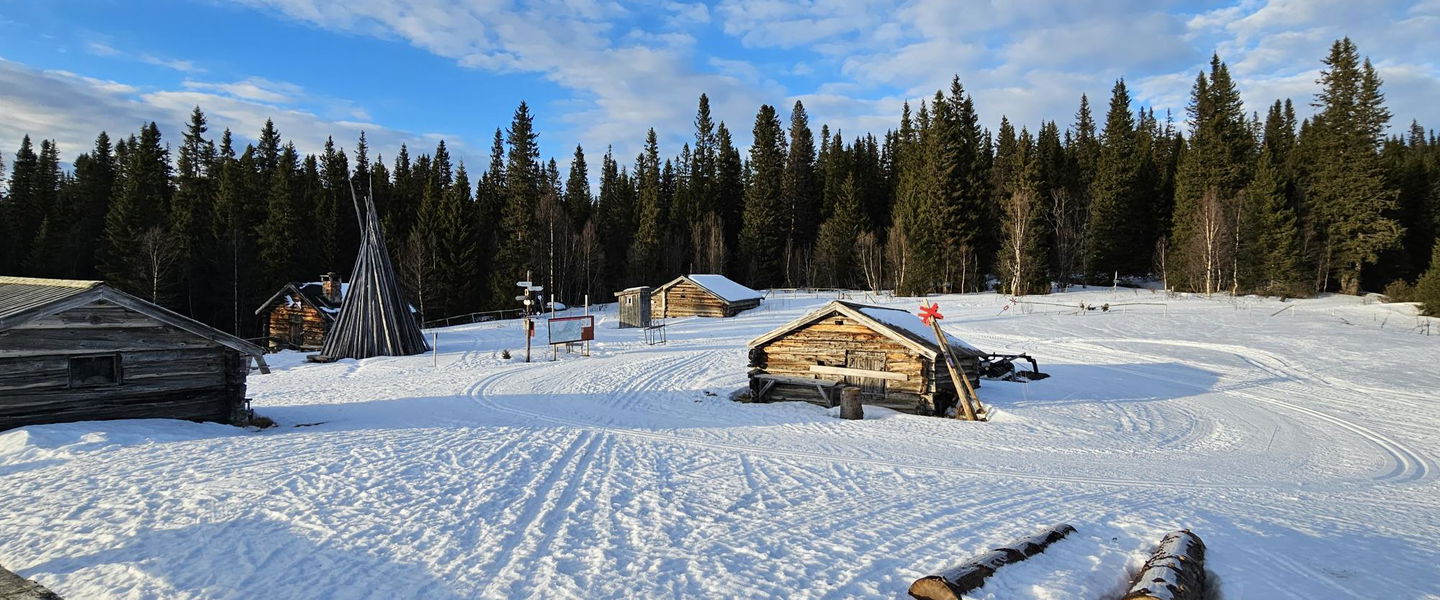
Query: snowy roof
(20, 294)
(910, 324)
(898, 324)
(310, 292)
(26, 298)
(723, 287)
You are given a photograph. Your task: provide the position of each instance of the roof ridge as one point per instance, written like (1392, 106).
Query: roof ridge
(75, 283)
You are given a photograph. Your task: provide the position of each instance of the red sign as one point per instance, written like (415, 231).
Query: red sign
(929, 312)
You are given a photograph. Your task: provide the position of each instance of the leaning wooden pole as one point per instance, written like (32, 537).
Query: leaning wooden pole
(972, 412)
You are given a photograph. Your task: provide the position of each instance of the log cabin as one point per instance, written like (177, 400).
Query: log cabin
(888, 353)
(82, 350)
(299, 316)
(702, 296)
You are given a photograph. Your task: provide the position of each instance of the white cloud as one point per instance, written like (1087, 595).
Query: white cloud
(72, 110)
(100, 48)
(252, 88)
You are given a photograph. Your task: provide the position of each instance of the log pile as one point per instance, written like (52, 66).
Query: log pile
(1176, 571)
(955, 583)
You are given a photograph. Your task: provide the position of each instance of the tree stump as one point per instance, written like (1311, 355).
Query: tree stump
(850, 404)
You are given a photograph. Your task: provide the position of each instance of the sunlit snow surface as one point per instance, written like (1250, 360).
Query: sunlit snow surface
(1302, 447)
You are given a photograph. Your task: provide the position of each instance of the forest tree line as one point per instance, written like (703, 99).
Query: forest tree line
(1236, 203)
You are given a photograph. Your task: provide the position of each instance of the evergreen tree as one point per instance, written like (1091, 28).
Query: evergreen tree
(1351, 196)
(577, 190)
(835, 248)
(516, 249)
(614, 215)
(190, 217)
(728, 195)
(1216, 168)
(1427, 289)
(278, 235)
(1114, 244)
(704, 160)
(333, 206)
(763, 228)
(24, 208)
(801, 194)
(1276, 254)
(139, 254)
(645, 248)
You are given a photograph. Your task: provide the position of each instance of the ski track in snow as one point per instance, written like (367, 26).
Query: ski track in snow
(1309, 473)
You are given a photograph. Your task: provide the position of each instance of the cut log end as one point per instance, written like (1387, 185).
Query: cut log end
(850, 407)
(934, 587)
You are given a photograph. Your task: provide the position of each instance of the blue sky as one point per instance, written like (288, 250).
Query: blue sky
(600, 73)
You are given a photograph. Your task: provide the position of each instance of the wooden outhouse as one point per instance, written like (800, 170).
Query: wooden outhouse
(634, 306)
(888, 353)
(301, 314)
(81, 350)
(702, 296)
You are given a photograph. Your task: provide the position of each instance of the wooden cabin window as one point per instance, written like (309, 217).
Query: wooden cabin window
(90, 371)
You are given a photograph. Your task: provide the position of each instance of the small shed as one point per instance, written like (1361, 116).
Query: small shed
(702, 296)
(634, 306)
(302, 313)
(887, 352)
(81, 350)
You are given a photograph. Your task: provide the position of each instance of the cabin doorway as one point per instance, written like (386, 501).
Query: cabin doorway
(297, 331)
(871, 389)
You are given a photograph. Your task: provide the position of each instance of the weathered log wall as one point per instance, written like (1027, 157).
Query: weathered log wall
(827, 342)
(685, 299)
(164, 372)
(313, 326)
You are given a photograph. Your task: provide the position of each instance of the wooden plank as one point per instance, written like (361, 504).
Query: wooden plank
(849, 372)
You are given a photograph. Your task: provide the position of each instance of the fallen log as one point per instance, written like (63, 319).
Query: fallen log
(956, 582)
(1176, 571)
(15, 587)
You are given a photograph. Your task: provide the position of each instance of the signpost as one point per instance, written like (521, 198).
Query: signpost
(528, 301)
(931, 316)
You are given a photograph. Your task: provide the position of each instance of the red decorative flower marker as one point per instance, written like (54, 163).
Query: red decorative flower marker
(929, 312)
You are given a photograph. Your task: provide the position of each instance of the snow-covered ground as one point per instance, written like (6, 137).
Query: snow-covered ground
(1302, 447)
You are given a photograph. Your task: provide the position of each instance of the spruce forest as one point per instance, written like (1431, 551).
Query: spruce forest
(1218, 200)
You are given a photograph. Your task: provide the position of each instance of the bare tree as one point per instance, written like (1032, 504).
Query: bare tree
(1068, 224)
(1159, 264)
(417, 268)
(1018, 261)
(871, 257)
(591, 257)
(1207, 249)
(897, 252)
(160, 253)
(709, 244)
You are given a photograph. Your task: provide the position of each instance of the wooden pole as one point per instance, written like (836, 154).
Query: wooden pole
(435, 351)
(962, 382)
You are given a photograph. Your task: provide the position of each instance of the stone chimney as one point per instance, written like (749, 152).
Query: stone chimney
(331, 283)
